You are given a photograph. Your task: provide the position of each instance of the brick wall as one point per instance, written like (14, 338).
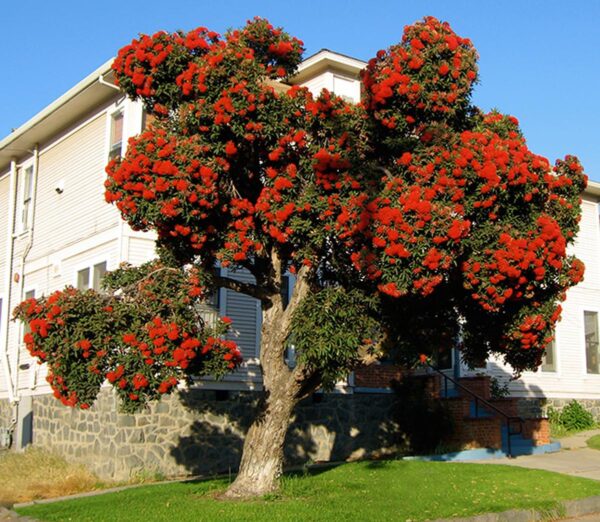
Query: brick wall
(476, 433)
(508, 406)
(538, 430)
(478, 385)
(378, 375)
(458, 408)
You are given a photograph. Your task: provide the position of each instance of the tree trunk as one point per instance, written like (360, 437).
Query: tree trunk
(262, 457)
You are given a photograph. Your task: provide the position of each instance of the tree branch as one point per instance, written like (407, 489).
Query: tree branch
(243, 288)
(301, 290)
(305, 382)
(136, 284)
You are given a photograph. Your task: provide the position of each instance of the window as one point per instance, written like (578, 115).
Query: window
(346, 88)
(30, 294)
(549, 358)
(26, 198)
(116, 135)
(591, 341)
(91, 277)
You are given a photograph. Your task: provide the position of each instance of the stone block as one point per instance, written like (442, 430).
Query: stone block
(126, 420)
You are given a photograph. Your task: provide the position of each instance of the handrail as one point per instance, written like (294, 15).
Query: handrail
(509, 418)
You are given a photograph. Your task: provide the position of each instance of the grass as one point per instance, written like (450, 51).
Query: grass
(374, 491)
(594, 442)
(558, 431)
(34, 474)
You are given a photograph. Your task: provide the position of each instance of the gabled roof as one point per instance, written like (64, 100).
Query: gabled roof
(326, 59)
(593, 189)
(78, 101)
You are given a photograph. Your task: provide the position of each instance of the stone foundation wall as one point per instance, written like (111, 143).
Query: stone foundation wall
(593, 406)
(532, 408)
(5, 413)
(199, 432)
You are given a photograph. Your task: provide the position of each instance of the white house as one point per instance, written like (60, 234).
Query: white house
(56, 230)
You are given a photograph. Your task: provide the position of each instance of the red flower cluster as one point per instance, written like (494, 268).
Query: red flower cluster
(166, 69)
(84, 337)
(413, 192)
(427, 77)
(48, 320)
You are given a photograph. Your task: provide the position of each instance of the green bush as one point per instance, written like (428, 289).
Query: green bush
(573, 417)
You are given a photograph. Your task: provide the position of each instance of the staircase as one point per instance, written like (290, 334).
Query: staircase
(485, 427)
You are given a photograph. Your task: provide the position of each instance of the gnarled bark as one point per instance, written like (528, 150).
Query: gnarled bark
(262, 457)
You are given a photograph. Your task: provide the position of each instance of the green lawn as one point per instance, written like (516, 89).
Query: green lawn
(594, 442)
(391, 490)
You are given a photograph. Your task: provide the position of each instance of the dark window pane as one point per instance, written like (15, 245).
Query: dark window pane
(83, 279)
(116, 135)
(591, 341)
(99, 271)
(548, 361)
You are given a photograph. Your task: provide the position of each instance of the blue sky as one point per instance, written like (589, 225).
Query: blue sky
(539, 59)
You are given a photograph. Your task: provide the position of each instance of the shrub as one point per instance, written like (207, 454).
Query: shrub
(574, 417)
(499, 389)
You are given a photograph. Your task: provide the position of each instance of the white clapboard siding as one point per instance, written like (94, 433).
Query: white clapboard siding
(76, 164)
(141, 250)
(587, 244)
(317, 84)
(4, 197)
(59, 271)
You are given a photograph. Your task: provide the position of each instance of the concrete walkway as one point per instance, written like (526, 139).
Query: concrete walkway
(575, 458)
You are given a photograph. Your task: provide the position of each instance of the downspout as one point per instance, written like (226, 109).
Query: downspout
(12, 195)
(102, 81)
(36, 161)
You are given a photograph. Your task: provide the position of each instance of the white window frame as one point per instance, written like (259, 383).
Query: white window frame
(22, 225)
(26, 290)
(112, 113)
(582, 312)
(3, 320)
(556, 370)
(89, 265)
(355, 98)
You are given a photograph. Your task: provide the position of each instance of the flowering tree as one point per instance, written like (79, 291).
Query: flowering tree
(408, 219)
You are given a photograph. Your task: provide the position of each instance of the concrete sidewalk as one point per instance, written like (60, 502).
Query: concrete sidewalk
(575, 458)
